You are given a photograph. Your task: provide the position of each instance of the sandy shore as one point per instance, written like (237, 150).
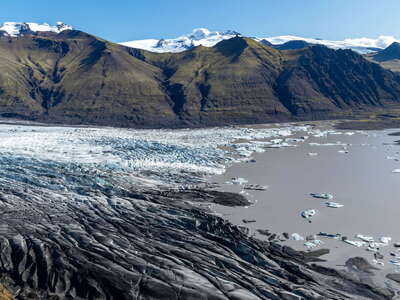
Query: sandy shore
(362, 180)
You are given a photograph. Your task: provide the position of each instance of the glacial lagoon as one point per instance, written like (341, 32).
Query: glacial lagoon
(357, 168)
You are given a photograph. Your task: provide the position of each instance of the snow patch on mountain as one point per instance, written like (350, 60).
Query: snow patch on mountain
(207, 38)
(199, 36)
(14, 29)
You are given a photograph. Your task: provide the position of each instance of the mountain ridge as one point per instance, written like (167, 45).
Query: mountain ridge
(388, 58)
(205, 37)
(73, 77)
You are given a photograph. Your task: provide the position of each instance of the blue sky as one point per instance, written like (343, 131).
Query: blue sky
(123, 20)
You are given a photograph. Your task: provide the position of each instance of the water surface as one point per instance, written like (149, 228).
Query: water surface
(361, 179)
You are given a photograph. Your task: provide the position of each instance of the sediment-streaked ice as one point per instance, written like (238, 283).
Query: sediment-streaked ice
(64, 158)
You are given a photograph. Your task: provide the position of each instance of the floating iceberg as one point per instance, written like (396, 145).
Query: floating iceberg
(297, 237)
(377, 244)
(395, 262)
(328, 144)
(377, 262)
(239, 180)
(313, 244)
(364, 238)
(322, 196)
(356, 243)
(308, 213)
(392, 158)
(333, 204)
(385, 239)
(330, 235)
(255, 187)
(372, 249)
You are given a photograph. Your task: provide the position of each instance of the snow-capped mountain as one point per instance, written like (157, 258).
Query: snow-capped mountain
(15, 29)
(361, 45)
(199, 36)
(208, 38)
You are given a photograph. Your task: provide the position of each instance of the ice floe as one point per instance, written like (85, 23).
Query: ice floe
(255, 187)
(333, 204)
(313, 244)
(365, 238)
(297, 237)
(238, 180)
(356, 243)
(322, 196)
(308, 214)
(330, 235)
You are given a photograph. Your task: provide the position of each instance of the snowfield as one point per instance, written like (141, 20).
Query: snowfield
(207, 38)
(14, 29)
(200, 36)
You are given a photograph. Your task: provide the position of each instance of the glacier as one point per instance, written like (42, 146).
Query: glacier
(15, 29)
(207, 38)
(70, 159)
(199, 36)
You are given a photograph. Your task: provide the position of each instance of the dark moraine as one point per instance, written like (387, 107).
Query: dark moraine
(149, 245)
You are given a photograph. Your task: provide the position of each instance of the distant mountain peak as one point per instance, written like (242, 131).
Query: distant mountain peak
(394, 45)
(205, 37)
(203, 33)
(390, 53)
(15, 29)
(198, 37)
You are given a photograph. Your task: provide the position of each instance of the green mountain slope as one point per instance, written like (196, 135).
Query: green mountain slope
(76, 78)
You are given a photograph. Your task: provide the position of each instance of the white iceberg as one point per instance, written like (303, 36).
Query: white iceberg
(297, 237)
(377, 244)
(333, 204)
(313, 244)
(371, 249)
(385, 239)
(377, 262)
(356, 243)
(364, 238)
(308, 213)
(239, 180)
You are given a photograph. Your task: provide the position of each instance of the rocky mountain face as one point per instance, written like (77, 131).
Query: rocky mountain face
(388, 58)
(292, 45)
(75, 78)
(390, 53)
(243, 81)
